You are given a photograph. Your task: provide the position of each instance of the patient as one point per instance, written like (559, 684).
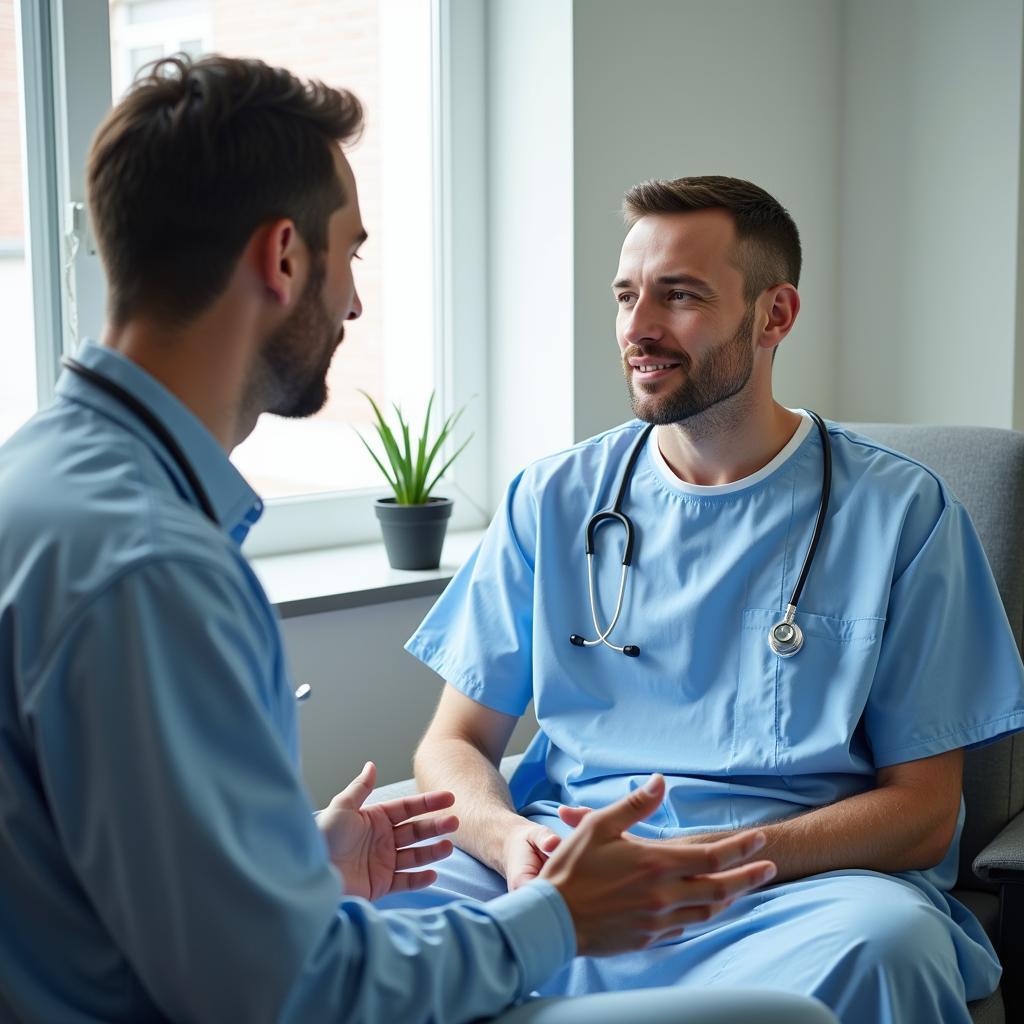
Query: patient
(847, 753)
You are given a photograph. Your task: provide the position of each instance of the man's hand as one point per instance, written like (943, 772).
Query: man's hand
(371, 846)
(526, 851)
(625, 895)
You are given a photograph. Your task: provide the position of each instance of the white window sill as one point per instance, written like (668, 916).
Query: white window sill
(329, 579)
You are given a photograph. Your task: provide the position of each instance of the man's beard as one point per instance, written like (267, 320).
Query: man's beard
(720, 374)
(292, 372)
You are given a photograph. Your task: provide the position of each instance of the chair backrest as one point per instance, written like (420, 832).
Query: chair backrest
(984, 467)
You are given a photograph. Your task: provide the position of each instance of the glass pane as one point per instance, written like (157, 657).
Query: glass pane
(381, 50)
(17, 339)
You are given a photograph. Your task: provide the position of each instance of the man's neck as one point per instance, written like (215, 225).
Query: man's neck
(201, 365)
(727, 442)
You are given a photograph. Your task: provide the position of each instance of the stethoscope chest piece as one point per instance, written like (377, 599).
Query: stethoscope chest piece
(785, 638)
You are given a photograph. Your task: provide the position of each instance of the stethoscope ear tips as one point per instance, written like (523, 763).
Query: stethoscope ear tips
(576, 640)
(631, 651)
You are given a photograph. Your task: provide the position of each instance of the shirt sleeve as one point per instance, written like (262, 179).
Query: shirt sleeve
(191, 834)
(949, 672)
(479, 634)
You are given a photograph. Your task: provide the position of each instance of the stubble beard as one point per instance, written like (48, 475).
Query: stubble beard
(720, 376)
(291, 378)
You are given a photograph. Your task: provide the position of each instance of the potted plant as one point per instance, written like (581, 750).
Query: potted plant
(413, 521)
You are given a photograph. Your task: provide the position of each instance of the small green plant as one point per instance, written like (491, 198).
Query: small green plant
(410, 460)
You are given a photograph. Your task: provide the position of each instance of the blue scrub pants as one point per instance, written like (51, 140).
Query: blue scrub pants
(874, 948)
(664, 1006)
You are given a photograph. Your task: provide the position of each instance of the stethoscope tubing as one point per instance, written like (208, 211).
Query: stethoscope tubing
(785, 638)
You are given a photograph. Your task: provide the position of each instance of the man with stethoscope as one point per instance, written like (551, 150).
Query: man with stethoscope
(796, 626)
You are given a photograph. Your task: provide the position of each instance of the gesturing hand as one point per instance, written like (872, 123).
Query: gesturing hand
(371, 846)
(624, 894)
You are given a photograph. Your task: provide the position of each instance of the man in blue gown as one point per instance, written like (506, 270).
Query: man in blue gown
(847, 753)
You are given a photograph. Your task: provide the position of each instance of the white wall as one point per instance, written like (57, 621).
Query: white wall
(530, 231)
(931, 110)
(587, 97)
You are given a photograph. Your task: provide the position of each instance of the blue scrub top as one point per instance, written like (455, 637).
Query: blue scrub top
(159, 859)
(907, 651)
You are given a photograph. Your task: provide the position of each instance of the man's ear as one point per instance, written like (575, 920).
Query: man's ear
(281, 256)
(778, 315)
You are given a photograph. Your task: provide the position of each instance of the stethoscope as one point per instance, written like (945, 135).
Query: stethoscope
(785, 638)
(164, 436)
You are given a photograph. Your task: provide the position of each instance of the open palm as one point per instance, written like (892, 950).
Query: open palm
(373, 847)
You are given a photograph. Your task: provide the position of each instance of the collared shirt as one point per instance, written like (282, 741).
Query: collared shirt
(158, 855)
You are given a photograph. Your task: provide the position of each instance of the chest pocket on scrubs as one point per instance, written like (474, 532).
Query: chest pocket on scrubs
(801, 712)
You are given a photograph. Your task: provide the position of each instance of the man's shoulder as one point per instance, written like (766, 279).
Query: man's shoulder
(874, 469)
(80, 507)
(588, 455)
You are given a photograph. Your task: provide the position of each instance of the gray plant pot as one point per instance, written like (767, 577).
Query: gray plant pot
(413, 534)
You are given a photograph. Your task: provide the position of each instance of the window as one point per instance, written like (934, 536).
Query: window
(17, 350)
(382, 52)
(394, 55)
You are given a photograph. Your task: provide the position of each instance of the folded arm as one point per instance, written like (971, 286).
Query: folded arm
(905, 823)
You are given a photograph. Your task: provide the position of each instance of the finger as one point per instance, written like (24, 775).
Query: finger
(723, 886)
(407, 881)
(417, 856)
(425, 828)
(354, 795)
(573, 815)
(421, 803)
(705, 858)
(549, 844)
(613, 820)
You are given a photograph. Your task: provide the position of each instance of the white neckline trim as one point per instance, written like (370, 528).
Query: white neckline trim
(706, 490)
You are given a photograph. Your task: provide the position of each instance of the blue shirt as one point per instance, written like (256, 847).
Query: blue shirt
(908, 652)
(158, 855)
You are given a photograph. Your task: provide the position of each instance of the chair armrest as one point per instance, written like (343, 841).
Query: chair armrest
(1003, 859)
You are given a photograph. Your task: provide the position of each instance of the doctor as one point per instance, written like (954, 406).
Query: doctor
(158, 857)
(805, 639)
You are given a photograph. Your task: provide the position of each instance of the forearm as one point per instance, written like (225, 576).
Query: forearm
(891, 828)
(482, 799)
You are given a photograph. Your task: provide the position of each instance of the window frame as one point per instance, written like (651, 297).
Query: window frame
(66, 73)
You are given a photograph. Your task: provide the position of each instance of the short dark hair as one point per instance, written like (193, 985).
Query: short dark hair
(769, 241)
(193, 160)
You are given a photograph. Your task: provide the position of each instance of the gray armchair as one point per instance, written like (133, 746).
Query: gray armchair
(984, 467)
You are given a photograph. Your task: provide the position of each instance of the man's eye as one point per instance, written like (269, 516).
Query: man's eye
(678, 296)
(624, 298)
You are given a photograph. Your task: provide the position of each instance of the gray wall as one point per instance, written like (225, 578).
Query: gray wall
(746, 88)
(931, 114)
(370, 700)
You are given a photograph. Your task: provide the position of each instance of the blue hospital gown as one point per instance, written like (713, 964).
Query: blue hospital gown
(908, 654)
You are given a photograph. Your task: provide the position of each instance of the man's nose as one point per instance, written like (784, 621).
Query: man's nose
(356, 309)
(641, 323)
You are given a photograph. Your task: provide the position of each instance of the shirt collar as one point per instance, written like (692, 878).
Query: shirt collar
(236, 504)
